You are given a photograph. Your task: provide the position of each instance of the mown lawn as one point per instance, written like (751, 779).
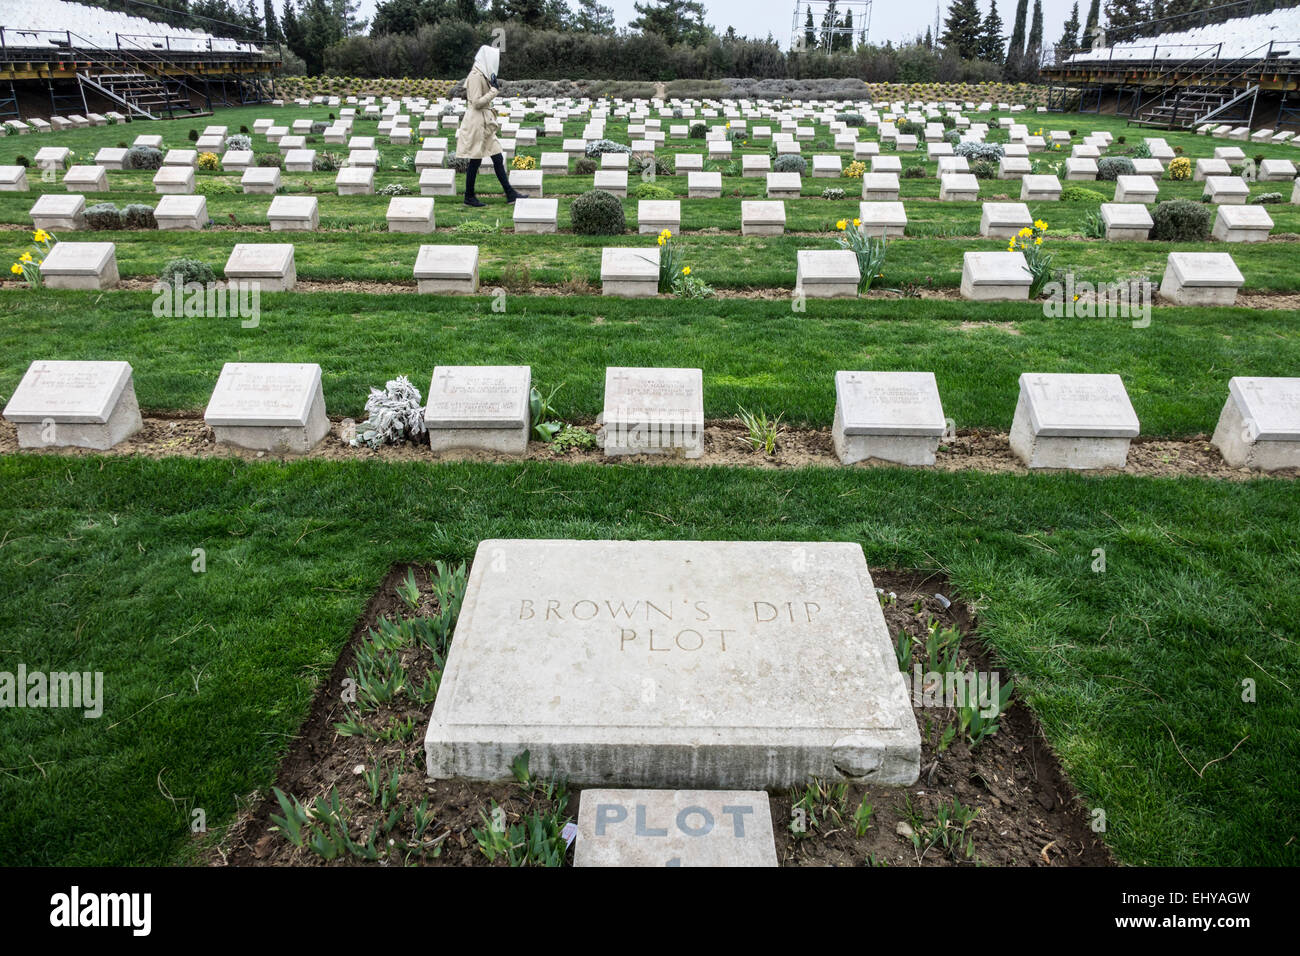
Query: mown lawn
(1136, 673)
(759, 354)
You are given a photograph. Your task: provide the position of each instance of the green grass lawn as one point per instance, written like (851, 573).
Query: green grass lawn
(1136, 674)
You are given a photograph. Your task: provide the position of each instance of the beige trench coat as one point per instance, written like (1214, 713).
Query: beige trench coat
(476, 137)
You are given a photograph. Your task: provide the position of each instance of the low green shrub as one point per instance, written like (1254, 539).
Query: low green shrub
(647, 190)
(138, 216)
(1081, 194)
(104, 215)
(143, 157)
(598, 213)
(790, 164)
(1110, 168)
(187, 270)
(1181, 220)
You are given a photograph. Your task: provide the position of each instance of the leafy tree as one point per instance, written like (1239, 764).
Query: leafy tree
(673, 21)
(272, 25)
(961, 29)
(1070, 37)
(991, 41)
(594, 17)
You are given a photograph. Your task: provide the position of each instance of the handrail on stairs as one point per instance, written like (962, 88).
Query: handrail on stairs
(1207, 66)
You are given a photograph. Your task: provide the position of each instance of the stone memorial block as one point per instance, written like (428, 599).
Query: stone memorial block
(1276, 171)
(889, 416)
(880, 187)
(263, 180)
(1146, 166)
(299, 160)
(268, 406)
(1205, 168)
(995, 276)
(1080, 169)
(884, 219)
(1260, 424)
(674, 828)
(746, 665)
(1201, 278)
(355, 181)
(237, 160)
(174, 180)
(539, 216)
(86, 179)
(655, 411)
(782, 186)
(111, 158)
(55, 211)
(958, 187)
(762, 218)
(1139, 189)
(1003, 220)
(52, 157)
(13, 179)
(181, 212)
(629, 271)
(1066, 420)
(704, 185)
(886, 164)
(80, 265)
(289, 143)
(410, 214)
(1229, 154)
(293, 214)
(827, 274)
(480, 407)
(437, 182)
(1242, 224)
(529, 181)
(755, 165)
(827, 167)
(1126, 222)
(79, 404)
(447, 269)
(865, 150)
(1226, 190)
(953, 164)
(180, 157)
(653, 216)
(268, 265)
(685, 163)
(1015, 167)
(612, 181)
(1045, 188)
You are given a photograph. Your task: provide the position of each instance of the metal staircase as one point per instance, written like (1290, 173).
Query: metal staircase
(139, 84)
(1197, 91)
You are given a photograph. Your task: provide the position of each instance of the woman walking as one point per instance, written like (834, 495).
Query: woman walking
(476, 137)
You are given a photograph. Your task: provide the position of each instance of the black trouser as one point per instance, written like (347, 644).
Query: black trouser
(498, 165)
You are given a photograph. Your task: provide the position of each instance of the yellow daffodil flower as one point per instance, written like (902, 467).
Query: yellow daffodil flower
(16, 269)
(1039, 224)
(841, 225)
(40, 235)
(25, 257)
(686, 270)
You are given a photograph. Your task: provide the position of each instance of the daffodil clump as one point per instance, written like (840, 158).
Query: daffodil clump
(29, 264)
(870, 251)
(855, 169)
(674, 277)
(1029, 241)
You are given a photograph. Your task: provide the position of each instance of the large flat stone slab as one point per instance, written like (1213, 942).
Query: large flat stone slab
(1201, 278)
(82, 404)
(674, 828)
(745, 665)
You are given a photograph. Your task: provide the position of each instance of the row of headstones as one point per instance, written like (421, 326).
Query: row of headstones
(1191, 278)
(1062, 420)
(56, 124)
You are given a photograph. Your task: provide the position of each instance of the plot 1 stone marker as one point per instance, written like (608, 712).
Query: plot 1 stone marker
(698, 664)
(674, 828)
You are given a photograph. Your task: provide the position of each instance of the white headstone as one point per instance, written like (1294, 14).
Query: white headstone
(268, 406)
(1069, 420)
(482, 407)
(889, 416)
(1259, 427)
(653, 411)
(82, 404)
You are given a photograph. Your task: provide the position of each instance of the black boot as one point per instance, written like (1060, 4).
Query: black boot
(471, 174)
(499, 166)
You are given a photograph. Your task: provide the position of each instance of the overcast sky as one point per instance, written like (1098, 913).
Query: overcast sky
(895, 20)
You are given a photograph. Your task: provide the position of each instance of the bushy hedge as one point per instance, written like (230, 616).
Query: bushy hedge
(790, 164)
(598, 213)
(1181, 220)
(1110, 168)
(143, 157)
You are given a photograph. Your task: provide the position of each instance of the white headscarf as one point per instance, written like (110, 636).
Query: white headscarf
(487, 60)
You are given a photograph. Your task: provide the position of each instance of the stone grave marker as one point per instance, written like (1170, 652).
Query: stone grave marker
(268, 406)
(630, 271)
(655, 411)
(59, 212)
(1259, 427)
(1242, 224)
(1076, 421)
(269, 265)
(1126, 222)
(410, 214)
(995, 276)
(181, 212)
(889, 416)
(483, 407)
(762, 218)
(441, 269)
(80, 265)
(1201, 278)
(80, 404)
(827, 273)
(293, 214)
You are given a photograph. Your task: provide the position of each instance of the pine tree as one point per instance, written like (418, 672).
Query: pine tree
(1122, 16)
(809, 32)
(846, 38)
(1070, 38)
(1034, 47)
(1092, 24)
(594, 17)
(929, 39)
(271, 24)
(992, 39)
(961, 29)
(1016, 49)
